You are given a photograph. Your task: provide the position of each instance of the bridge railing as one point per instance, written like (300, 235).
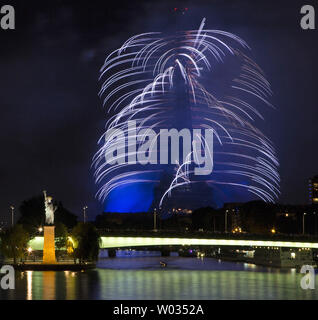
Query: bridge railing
(205, 235)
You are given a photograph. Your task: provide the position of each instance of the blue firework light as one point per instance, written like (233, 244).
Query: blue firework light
(198, 79)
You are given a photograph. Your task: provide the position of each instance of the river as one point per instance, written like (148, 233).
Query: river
(144, 278)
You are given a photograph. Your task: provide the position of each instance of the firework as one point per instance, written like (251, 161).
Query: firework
(160, 81)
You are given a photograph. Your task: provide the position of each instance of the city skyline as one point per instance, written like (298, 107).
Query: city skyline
(50, 124)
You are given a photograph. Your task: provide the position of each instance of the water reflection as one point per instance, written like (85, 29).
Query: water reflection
(173, 284)
(48, 286)
(143, 278)
(70, 285)
(29, 285)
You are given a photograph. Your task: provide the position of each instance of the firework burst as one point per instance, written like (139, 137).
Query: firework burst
(141, 82)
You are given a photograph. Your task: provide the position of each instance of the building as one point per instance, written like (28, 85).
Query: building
(283, 257)
(313, 190)
(233, 217)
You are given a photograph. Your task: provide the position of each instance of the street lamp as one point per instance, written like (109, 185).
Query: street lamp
(84, 212)
(12, 215)
(225, 222)
(155, 220)
(304, 222)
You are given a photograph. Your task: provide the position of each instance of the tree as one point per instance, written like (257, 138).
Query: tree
(176, 222)
(65, 216)
(61, 236)
(32, 214)
(87, 242)
(202, 218)
(112, 220)
(14, 242)
(258, 217)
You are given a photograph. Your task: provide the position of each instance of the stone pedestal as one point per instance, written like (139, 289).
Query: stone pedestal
(49, 245)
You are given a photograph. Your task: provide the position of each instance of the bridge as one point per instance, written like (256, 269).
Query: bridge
(135, 241)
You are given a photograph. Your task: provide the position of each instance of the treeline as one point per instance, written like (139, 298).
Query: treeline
(256, 217)
(73, 239)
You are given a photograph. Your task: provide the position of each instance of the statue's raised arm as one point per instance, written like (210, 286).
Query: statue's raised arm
(49, 209)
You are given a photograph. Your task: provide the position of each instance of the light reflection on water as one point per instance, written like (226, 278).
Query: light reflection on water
(143, 278)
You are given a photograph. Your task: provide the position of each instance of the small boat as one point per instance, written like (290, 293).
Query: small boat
(163, 264)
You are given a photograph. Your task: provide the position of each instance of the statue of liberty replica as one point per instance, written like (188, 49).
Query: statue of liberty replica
(49, 234)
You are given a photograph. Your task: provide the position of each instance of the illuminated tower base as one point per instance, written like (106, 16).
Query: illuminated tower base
(49, 245)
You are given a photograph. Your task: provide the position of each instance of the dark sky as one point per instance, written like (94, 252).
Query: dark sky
(51, 116)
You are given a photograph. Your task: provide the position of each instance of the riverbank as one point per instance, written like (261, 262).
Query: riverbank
(59, 266)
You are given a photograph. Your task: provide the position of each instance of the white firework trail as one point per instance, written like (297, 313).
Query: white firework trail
(181, 178)
(138, 82)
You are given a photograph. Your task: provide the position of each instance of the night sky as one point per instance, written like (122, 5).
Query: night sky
(51, 116)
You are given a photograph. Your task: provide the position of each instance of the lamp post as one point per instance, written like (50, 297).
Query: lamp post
(12, 215)
(84, 213)
(304, 222)
(225, 222)
(155, 220)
